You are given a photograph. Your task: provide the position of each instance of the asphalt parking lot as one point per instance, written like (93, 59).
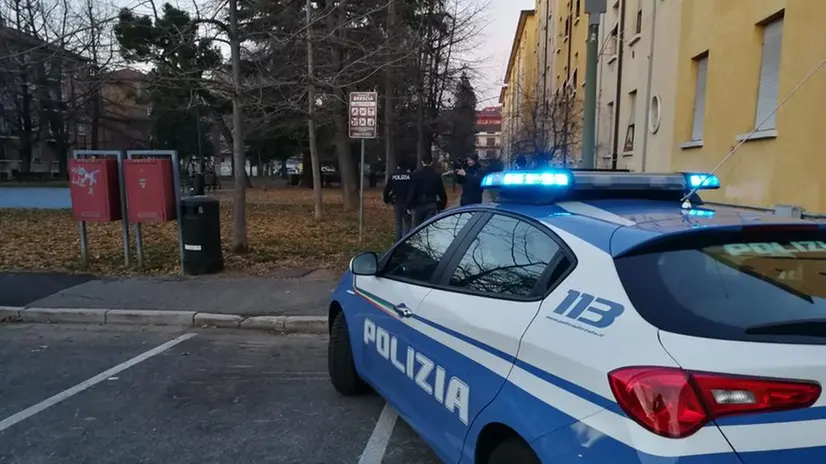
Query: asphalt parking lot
(82, 394)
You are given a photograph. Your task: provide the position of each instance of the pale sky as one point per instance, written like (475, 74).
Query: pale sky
(501, 17)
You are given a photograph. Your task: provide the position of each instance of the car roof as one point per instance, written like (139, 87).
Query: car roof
(617, 225)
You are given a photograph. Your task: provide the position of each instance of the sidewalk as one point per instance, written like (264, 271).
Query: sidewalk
(265, 303)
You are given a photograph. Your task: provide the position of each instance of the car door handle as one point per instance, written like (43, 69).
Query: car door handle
(402, 310)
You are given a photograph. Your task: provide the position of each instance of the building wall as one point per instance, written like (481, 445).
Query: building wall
(528, 81)
(784, 165)
(570, 46)
(520, 80)
(546, 40)
(489, 129)
(570, 43)
(650, 119)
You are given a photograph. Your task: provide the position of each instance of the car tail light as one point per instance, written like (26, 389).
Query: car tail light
(676, 403)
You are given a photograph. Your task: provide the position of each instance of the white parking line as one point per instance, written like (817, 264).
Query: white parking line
(377, 444)
(32, 410)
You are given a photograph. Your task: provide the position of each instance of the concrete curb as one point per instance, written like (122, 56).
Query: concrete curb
(282, 324)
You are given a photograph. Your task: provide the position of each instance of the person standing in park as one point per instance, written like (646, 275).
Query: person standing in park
(396, 191)
(470, 179)
(427, 194)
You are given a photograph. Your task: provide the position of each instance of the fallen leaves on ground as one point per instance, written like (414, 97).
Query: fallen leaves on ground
(281, 233)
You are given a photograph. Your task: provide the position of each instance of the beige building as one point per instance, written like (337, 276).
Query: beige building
(647, 94)
(520, 87)
(546, 46)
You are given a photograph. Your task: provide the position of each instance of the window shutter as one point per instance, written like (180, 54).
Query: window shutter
(769, 75)
(700, 99)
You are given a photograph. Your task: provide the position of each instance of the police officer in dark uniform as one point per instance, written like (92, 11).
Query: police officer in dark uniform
(471, 180)
(396, 192)
(427, 192)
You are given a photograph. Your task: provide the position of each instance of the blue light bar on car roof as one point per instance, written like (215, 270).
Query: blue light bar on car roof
(702, 180)
(556, 180)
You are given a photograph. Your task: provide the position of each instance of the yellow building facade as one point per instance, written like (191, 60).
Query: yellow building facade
(571, 24)
(520, 86)
(738, 60)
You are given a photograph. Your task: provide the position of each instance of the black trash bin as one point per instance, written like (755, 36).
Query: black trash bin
(201, 234)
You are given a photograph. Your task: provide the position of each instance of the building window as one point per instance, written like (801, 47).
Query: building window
(701, 64)
(578, 8)
(612, 47)
(638, 23)
(769, 76)
(630, 130)
(491, 142)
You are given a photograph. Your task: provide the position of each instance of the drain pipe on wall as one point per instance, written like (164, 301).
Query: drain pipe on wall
(618, 95)
(647, 126)
(602, 34)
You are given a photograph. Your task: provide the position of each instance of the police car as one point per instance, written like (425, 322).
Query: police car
(595, 317)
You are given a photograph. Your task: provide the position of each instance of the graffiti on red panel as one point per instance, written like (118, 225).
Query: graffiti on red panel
(83, 178)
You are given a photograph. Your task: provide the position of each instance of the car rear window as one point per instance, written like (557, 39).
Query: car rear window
(733, 285)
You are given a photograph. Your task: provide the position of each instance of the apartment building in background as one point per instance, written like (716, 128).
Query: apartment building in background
(546, 46)
(569, 43)
(124, 121)
(489, 132)
(738, 60)
(520, 86)
(548, 55)
(52, 102)
(635, 121)
(683, 82)
(39, 83)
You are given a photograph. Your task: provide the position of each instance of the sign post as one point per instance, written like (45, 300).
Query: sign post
(362, 126)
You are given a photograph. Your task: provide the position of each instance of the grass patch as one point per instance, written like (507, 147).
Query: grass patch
(281, 232)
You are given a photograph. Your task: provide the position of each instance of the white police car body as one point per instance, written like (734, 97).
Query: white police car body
(592, 317)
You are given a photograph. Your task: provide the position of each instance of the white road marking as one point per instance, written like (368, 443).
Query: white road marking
(32, 410)
(377, 444)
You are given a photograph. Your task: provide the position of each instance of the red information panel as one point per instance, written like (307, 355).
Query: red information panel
(150, 191)
(94, 188)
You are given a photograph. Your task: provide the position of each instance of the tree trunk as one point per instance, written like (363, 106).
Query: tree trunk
(349, 186)
(389, 108)
(239, 213)
(420, 130)
(305, 179)
(227, 133)
(315, 164)
(346, 165)
(96, 117)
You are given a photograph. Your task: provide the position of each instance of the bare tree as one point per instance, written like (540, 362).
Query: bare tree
(547, 130)
(57, 57)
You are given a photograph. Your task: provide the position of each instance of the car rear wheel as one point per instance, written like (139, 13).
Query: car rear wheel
(513, 451)
(340, 363)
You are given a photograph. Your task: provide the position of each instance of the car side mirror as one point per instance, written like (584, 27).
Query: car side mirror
(365, 264)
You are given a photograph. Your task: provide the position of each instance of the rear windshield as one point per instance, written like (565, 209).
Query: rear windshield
(756, 286)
